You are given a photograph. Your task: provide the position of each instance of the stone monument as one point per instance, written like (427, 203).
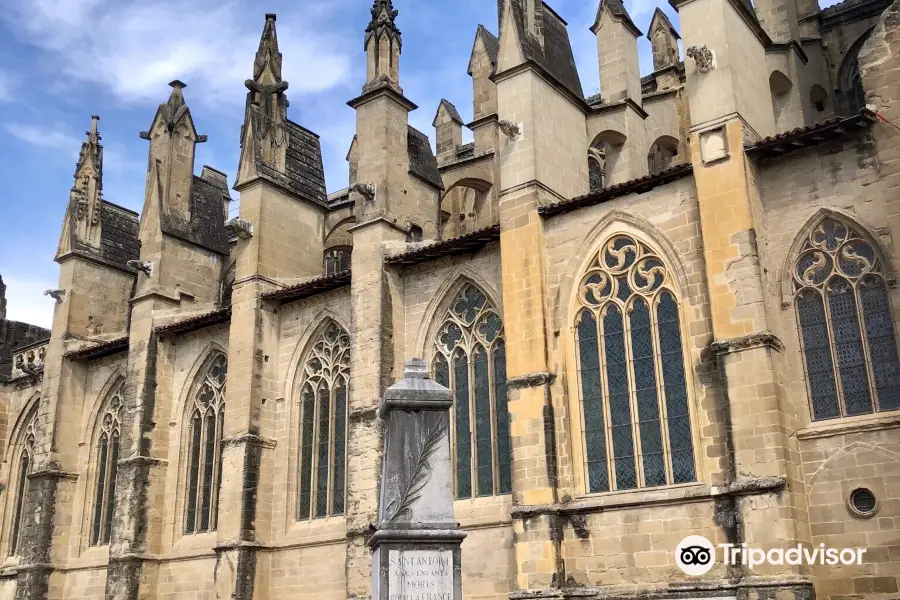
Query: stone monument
(416, 549)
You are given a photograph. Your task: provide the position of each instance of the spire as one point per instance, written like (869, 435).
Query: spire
(172, 138)
(383, 46)
(268, 58)
(86, 193)
(263, 134)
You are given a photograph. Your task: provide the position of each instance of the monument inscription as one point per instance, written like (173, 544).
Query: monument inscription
(420, 574)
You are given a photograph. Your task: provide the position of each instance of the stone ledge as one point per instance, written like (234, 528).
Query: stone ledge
(249, 439)
(683, 494)
(53, 474)
(719, 589)
(843, 426)
(747, 342)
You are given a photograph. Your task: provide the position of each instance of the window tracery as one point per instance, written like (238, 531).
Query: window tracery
(206, 426)
(106, 459)
(846, 324)
(470, 359)
(631, 373)
(22, 469)
(324, 397)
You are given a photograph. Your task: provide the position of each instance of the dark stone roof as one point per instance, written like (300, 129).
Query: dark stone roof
(783, 143)
(100, 350)
(556, 57)
(422, 162)
(465, 151)
(222, 315)
(635, 186)
(617, 8)
(458, 245)
(13, 336)
(207, 225)
(319, 285)
(304, 174)
(118, 234)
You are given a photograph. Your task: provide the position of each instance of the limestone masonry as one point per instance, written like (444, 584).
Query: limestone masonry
(669, 309)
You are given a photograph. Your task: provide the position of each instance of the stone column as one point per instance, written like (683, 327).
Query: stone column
(416, 550)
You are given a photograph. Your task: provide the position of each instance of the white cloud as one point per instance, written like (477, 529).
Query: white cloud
(44, 138)
(134, 48)
(7, 82)
(26, 301)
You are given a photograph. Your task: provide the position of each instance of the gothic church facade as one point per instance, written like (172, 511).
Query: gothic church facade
(667, 309)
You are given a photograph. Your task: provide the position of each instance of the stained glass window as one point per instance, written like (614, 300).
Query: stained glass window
(205, 447)
(22, 469)
(631, 372)
(470, 359)
(846, 327)
(324, 394)
(107, 453)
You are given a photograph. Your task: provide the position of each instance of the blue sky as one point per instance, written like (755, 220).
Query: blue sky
(63, 60)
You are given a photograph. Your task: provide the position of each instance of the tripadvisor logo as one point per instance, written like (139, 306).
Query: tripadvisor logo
(696, 555)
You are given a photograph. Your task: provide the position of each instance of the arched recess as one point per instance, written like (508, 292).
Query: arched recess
(780, 87)
(103, 452)
(663, 154)
(462, 207)
(850, 97)
(818, 97)
(604, 154)
(227, 287)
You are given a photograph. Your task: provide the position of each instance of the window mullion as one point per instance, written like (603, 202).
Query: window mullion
(492, 417)
(632, 395)
(473, 419)
(452, 417)
(839, 388)
(332, 398)
(661, 390)
(607, 413)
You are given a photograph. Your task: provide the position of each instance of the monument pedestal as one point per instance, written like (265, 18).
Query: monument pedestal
(416, 550)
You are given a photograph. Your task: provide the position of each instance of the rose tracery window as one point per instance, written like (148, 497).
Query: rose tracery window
(470, 359)
(631, 372)
(107, 458)
(207, 423)
(846, 325)
(22, 469)
(324, 395)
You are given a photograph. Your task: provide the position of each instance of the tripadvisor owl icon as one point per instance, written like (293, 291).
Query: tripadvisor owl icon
(695, 555)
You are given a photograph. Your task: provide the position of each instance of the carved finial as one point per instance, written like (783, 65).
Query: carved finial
(383, 45)
(176, 98)
(268, 54)
(415, 368)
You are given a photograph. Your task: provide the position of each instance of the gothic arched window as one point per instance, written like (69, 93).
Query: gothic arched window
(470, 359)
(597, 168)
(631, 372)
(19, 483)
(106, 459)
(846, 327)
(324, 395)
(207, 422)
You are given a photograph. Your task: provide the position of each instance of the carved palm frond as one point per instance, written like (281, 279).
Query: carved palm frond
(420, 474)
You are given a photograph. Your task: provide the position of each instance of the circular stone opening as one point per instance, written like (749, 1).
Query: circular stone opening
(862, 502)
